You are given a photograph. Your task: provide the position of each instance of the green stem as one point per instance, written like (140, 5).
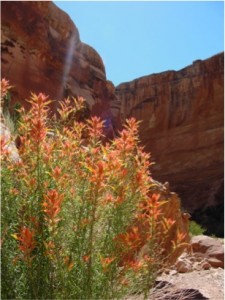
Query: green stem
(90, 247)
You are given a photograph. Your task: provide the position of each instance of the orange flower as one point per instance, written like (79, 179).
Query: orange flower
(180, 239)
(33, 182)
(180, 236)
(130, 239)
(113, 163)
(135, 265)
(114, 200)
(106, 261)
(4, 87)
(98, 173)
(124, 172)
(167, 223)
(132, 124)
(139, 177)
(151, 207)
(86, 258)
(66, 109)
(119, 199)
(27, 241)
(95, 127)
(4, 142)
(57, 171)
(125, 142)
(69, 263)
(100, 165)
(52, 205)
(108, 199)
(154, 199)
(79, 103)
(39, 112)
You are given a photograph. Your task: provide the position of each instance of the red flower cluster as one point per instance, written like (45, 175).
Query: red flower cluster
(52, 206)
(4, 87)
(95, 127)
(39, 110)
(27, 242)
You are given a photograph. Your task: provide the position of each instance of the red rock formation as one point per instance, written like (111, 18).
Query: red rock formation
(42, 51)
(182, 127)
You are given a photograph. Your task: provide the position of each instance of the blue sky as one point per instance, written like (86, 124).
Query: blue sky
(137, 38)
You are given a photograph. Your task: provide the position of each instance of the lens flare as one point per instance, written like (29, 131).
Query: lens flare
(68, 61)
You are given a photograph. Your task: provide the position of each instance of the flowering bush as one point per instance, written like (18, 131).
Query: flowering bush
(76, 212)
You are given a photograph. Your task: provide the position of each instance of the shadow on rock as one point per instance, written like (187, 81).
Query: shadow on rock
(166, 291)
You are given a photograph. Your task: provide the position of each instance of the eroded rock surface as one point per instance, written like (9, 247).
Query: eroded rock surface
(42, 52)
(182, 127)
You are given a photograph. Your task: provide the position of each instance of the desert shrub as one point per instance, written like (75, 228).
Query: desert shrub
(196, 229)
(73, 209)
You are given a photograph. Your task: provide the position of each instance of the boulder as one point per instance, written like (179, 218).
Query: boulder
(183, 266)
(8, 145)
(211, 249)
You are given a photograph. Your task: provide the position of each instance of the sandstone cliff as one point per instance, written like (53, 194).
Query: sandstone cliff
(42, 51)
(182, 127)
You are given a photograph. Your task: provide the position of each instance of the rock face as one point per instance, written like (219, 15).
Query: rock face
(182, 127)
(42, 52)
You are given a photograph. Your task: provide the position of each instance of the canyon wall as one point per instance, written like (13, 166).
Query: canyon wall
(182, 126)
(42, 52)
